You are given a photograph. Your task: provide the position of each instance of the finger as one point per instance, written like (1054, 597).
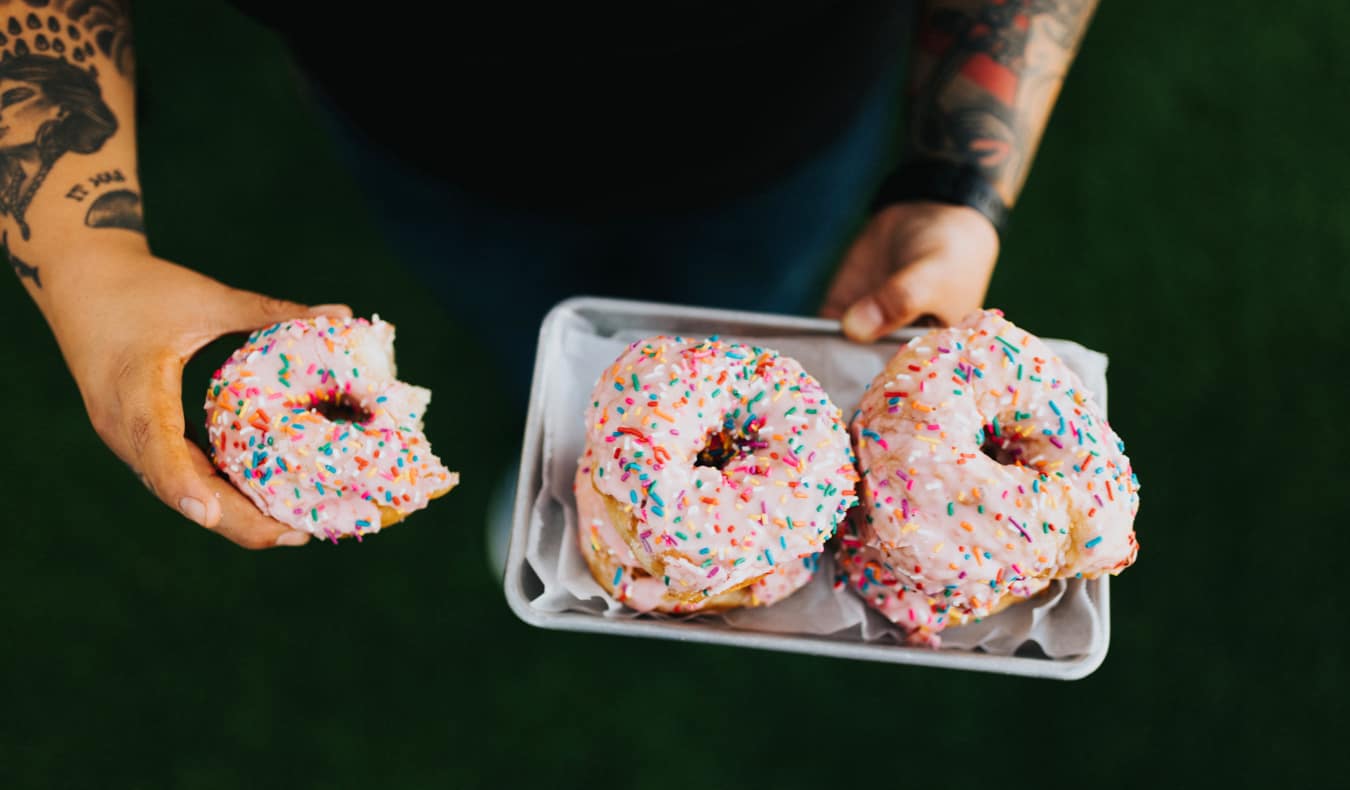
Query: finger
(331, 310)
(248, 311)
(949, 317)
(852, 279)
(180, 475)
(899, 301)
(958, 297)
(154, 434)
(241, 522)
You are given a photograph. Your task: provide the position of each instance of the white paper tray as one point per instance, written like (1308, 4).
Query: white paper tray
(522, 585)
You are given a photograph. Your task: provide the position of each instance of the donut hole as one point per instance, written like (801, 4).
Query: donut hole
(1005, 450)
(342, 410)
(724, 445)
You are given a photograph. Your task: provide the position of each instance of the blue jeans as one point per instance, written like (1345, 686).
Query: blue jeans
(500, 270)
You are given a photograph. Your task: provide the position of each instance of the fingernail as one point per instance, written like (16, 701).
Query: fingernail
(293, 538)
(193, 509)
(340, 310)
(862, 319)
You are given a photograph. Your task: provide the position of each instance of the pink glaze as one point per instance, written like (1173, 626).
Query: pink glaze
(311, 473)
(777, 499)
(637, 589)
(947, 532)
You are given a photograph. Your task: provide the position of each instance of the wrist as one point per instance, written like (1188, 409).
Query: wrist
(75, 280)
(946, 182)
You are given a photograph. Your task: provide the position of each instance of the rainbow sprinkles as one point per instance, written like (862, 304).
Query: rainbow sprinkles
(718, 462)
(988, 471)
(308, 420)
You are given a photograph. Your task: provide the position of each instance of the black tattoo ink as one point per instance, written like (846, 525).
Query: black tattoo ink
(106, 177)
(109, 22)
(20, 267)
(49, 105)
(48, 108)
(120, 208)
(89, 26)
(78, 192)
(987, 48)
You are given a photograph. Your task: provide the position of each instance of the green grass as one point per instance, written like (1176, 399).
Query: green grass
(1188, 215)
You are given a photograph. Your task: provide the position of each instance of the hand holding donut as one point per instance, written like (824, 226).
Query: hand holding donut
(911, 260)
(126, 331)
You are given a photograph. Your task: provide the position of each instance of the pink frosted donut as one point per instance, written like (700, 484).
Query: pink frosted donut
(988, 471)
(717, 462)
(309, 421)
(613, 566)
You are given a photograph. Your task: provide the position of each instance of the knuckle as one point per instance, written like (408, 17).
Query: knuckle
(242, 532)
(127, 372)
(272, 307)
(139, 433)
(222, 530)
(897, 300)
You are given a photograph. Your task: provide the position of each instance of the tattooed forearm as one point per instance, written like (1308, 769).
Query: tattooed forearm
(51, 102)
(20, 268)
(986, 75)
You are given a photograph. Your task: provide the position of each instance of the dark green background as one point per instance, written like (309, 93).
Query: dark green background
(1189, 215)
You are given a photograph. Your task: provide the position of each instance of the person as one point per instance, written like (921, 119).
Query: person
(734, 155)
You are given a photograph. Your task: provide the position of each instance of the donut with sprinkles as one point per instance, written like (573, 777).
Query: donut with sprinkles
(988, 470)
(309, 421)
(612, 564)
(717, 462)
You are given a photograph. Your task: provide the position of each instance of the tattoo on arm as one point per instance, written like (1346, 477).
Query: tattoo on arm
(78, 192)
(120, 208)
(987, 73)
(50, 100)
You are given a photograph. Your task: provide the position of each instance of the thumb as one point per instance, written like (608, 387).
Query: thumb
(248, 311)
(899, 301)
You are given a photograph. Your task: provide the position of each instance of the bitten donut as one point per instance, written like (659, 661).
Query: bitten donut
(987, 472)
(613, 566)
(309, 421)
(717, 462)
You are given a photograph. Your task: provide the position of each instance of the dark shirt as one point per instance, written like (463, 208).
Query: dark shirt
(568, 107)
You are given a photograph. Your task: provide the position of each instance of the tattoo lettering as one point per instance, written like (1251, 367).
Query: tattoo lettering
(106, 177)
(120, 208)
(992, 72)
(20, 267)
(78, 192)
